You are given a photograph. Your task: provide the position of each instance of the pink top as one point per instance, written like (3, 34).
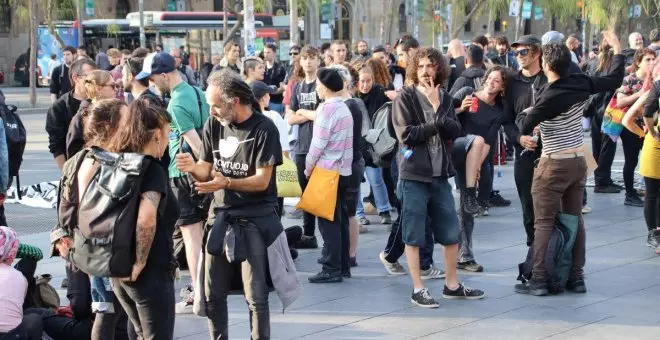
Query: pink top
(12, 295)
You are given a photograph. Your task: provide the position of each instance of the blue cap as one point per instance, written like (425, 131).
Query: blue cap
(156, 63)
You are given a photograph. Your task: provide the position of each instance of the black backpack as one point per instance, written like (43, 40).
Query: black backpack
(16, 137)
(558, 256)
(382, 145)
(103, 221)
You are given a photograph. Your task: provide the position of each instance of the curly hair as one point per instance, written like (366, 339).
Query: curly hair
(441, 64)
(639, 57)
(379, 69)
(504, 74)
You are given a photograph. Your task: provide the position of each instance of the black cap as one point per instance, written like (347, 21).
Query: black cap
(260, 89)
(379, 48)
(331, 79)
(526, 40)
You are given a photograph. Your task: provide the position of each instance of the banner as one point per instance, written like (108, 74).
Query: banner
(527, 10)
(538, 13)
(514, 8)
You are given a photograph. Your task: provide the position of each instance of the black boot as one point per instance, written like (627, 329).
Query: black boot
(470, 203)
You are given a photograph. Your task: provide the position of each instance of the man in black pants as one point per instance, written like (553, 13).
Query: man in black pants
(519, 96)
(302, 112)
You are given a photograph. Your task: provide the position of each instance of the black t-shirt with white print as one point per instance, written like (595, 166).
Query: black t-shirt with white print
(237, 151)
(304, 96)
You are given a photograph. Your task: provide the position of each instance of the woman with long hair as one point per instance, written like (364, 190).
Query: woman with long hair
(628, 93)
(647, 108)
(98, 85)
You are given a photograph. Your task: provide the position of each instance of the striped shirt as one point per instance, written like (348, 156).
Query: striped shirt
(564, 131)
(332, 140)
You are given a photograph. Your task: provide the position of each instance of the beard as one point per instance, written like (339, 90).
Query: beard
(225, 116)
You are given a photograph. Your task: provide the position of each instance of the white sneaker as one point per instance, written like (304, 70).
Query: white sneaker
(433, 273)
(586, 209)
(185, 306)
(392, 268)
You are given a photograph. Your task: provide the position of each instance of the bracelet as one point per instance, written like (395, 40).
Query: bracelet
(228, 182)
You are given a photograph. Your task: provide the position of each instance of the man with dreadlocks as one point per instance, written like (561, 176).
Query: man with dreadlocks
(240, 150)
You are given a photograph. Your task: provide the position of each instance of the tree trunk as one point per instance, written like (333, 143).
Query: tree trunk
(48, 18)
(225, 29)
(33, 53)
(79, 17)
(293, 23)
(234, 30)
(459, 24)
(518, 19)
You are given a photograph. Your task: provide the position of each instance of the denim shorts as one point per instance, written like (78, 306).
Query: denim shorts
(435, 200)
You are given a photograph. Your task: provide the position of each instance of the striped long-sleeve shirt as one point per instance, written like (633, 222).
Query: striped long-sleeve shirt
(332, 140)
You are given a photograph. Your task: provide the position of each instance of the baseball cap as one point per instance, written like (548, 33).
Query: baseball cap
(260, 89)
(526, 40)
(156, 63)
(552, 37)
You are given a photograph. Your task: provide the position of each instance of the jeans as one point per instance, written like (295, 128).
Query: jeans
(102, 296)
(558, 187)
(523, 173)
(604, 151)
(277, 107)
(31, 328)
(420, 200)
(149, 303)
(375, 178)
(632, 145)
(309, 220)
(336, 238)
(220, 274)
(652, 203)
(466, 221)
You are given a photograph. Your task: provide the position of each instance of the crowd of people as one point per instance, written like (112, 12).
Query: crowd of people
(215, 139)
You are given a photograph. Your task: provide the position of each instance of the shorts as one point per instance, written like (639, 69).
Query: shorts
(461, 148)
(190, 213)
(420, 200)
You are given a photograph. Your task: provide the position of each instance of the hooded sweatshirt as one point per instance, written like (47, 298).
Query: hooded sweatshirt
(559, 105)
(471, 77)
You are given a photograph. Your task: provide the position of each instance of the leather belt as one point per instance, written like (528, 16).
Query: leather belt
(563, 155)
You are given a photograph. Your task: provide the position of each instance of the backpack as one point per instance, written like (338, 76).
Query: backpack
(382, 146)
(558, 256)
(15, 134)
(104, 228)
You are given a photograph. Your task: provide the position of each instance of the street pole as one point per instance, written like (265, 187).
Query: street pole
(248, 28)
(143, 38)
(293, 22)
(225, 20)
(414, 20)
(341, 20)
(79, 16)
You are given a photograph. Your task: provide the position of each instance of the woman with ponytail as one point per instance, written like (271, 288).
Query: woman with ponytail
(98, 85)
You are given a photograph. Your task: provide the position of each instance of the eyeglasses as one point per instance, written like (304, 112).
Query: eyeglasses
(523, 52)
(294, 53)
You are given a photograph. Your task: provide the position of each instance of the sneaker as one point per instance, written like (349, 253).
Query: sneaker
(462, 293)
(296, 214)
(532, 287)
(610, 189)
(433, 273)
(294, 253)
(346, 274)
(363, 229)
(424, 299)
(484, 208)
(363, 221)
(65, 283)
(352, 261)
(653, 240)
(186, 291)
(385, 218)
(470, 203)
(633, 201)
(325, 277)
(185, 306)
(576, 286)
(307, 242)
(496, 200)
(392, 268)
(586, 209)
(470, 266)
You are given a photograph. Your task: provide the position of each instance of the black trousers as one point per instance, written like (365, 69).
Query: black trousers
(604, 150)
(336, 238)
(652, 203)
(632, 145)
(523, 172)
(309, 220)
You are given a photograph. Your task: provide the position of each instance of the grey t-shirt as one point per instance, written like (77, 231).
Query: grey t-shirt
(434, 144)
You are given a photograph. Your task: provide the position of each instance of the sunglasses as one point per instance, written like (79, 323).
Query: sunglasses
(294, 53)
(523, 52)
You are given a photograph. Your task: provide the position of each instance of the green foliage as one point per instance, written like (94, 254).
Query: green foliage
(563, 10)
(65, 10)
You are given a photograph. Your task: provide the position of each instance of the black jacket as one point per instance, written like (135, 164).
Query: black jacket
(206, 71)
(518, 97)
(629, 54)
(471, 77)
(412, 130)
(60, 83)
(559, 96)
(457, 67)
(374, 99)
(58, 119)
(274, 76)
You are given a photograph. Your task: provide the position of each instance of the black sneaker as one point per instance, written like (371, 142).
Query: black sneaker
(470, 266)
(532, 287)
(325, 277)
(352, 261)
(633, 201)
(496, 200)
(346, 274)
(576, 285)
(470, 203)
(653, 240)
(307, 242)
(463, 293)
(424, 299)
(294, 253)
(385, 218)
(610, 189)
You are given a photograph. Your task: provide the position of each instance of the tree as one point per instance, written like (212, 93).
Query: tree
(476, 7)
(235, 7)
(26, 13)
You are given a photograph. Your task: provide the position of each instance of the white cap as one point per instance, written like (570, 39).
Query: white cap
(146, 67)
